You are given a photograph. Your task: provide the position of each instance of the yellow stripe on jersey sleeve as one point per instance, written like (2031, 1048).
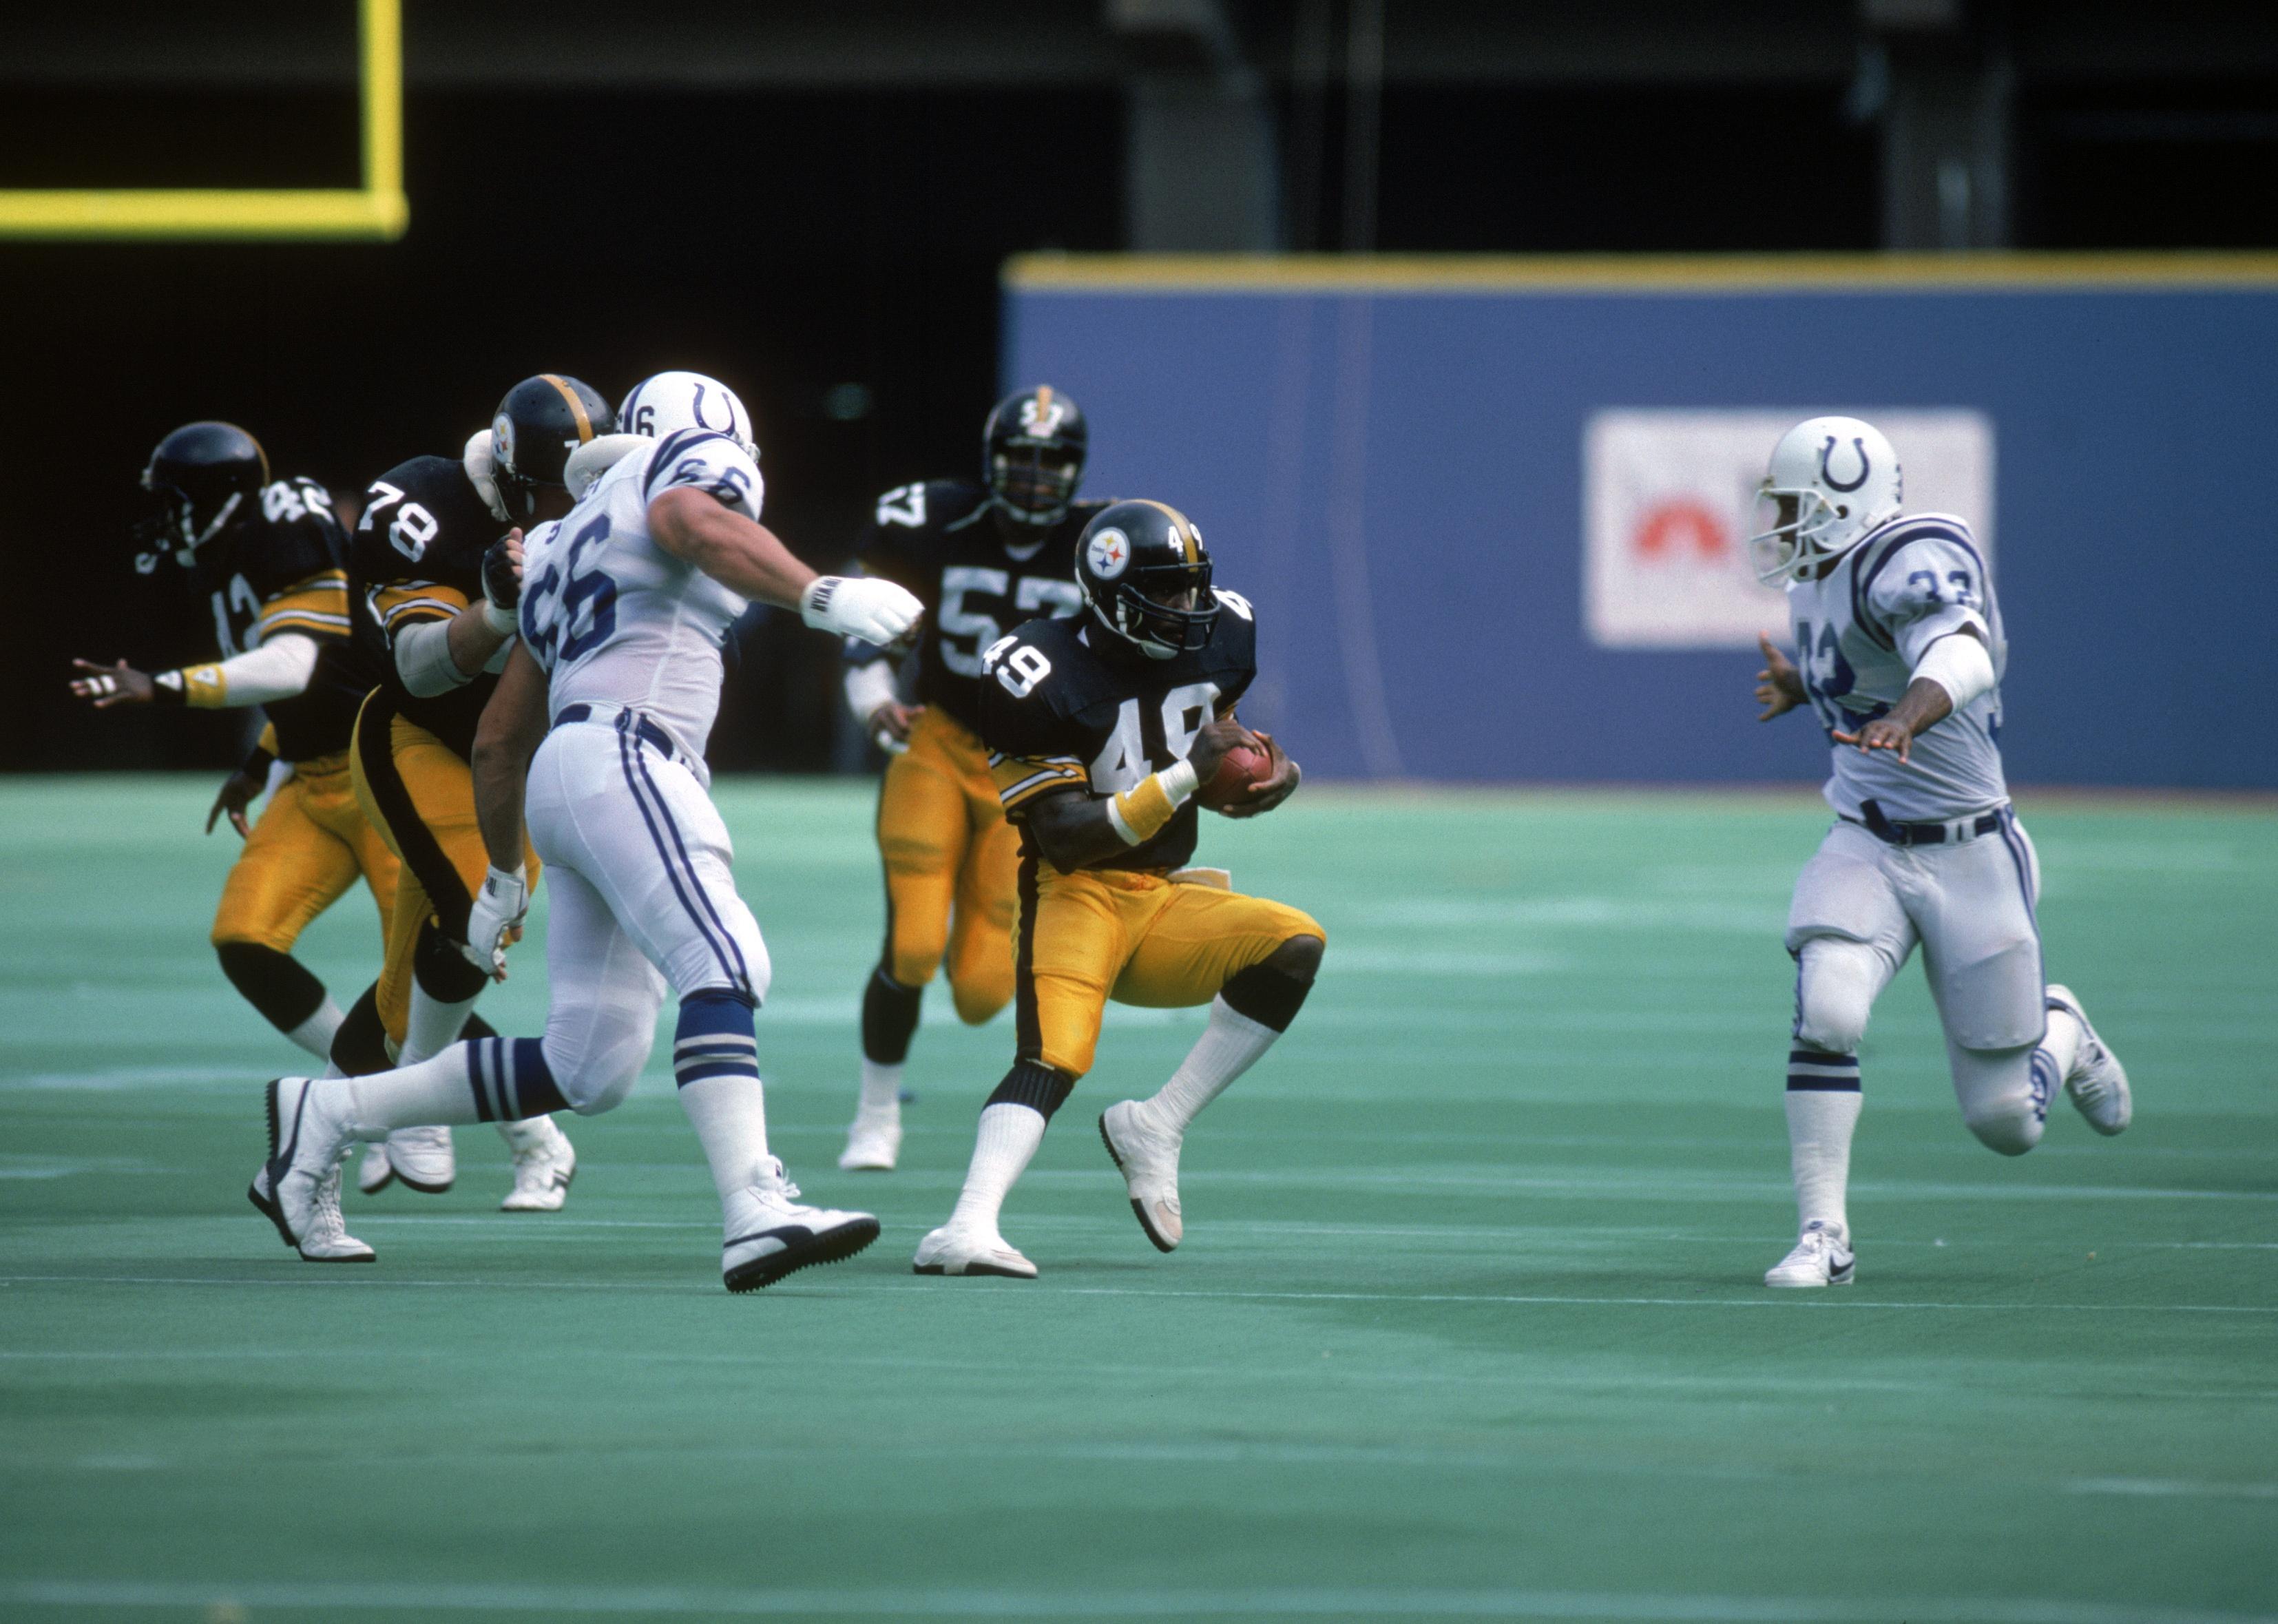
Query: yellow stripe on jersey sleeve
(316, 607)
(404, 603)
(1021, 778)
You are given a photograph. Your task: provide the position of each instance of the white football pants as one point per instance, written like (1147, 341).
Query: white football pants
(641, 896)
(1861, 906)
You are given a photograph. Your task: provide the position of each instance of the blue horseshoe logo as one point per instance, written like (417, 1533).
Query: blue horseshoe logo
(1834, 484)
(697, 408)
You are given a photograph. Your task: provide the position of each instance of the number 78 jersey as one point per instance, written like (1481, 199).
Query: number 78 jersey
(1066, 705)
(1861, 630)
(612, 617)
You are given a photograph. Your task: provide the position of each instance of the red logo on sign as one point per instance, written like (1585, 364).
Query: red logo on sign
(1671, 529)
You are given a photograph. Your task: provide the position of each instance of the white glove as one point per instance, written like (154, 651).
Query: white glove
(860, 605)
(498, 908)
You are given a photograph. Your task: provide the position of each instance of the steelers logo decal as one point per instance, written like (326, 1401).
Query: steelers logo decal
(1108, 554)
(503, 440)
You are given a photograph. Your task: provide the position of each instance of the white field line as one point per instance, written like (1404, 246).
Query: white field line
(955, 1601)
(357, 1277)
(2171, 1488)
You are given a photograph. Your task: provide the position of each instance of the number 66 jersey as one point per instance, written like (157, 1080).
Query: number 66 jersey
(1860, 630)
(614, 619)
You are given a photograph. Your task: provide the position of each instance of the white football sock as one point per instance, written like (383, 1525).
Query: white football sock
(1230, 1045)
(432, 1026)
(434, 1093)
(527, 1135)
(1820, 1122)
(1008, 1136)
(314, 1034)
(882, 1088)
(2062, 1044)
(729, 1115)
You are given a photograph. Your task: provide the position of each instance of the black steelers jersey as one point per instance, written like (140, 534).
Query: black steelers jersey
(1067, 705)
(284, 568)
(938, 541)
(417, 555)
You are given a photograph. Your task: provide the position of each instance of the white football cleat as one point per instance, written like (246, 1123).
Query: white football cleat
(873, 1143)
(953, 1251)
(423, 1159)
(1822, 1257)
(298, 1189)
(2097, 1082)
(1149, 1159)
(375, 1173)
(545, 1161)
(768, 1234)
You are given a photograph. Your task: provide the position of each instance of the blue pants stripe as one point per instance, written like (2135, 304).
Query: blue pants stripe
(625, 748)
(742, 972)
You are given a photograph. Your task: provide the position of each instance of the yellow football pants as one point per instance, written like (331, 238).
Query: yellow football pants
(950, 857)
(419, 794)
(1138, 938)
(310, 845)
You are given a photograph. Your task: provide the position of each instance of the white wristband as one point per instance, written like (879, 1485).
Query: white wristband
(869, 686)
(1179, 780)
(505, 622)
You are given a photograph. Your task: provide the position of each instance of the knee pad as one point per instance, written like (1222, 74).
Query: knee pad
(276, 984)
(1836, 980)
(442, 971)
(2005, 1096)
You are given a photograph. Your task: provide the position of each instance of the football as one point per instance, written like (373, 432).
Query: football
(1237, 770)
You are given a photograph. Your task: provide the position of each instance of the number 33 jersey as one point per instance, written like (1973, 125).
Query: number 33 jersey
(941, 541)
(1064, 705)
(1860, 630)
(614, 619)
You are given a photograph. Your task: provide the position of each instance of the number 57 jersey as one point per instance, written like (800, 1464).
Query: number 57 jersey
(614, 620)
(1861, 630)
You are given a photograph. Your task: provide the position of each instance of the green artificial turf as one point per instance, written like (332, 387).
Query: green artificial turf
(1467, 1323)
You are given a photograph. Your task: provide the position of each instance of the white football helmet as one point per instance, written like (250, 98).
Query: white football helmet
(1831, 480)
(670, 401)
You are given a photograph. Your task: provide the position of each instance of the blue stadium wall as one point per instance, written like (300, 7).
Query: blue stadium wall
(1386, 456)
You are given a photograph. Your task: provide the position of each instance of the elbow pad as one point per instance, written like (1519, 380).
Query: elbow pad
(1959, 664)
(423, 659)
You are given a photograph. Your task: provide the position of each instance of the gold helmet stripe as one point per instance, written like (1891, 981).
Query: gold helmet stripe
(577, 408)
(1180, 527)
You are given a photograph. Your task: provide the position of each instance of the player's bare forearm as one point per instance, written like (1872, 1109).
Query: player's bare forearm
(742, 555)
(1779, 685)
(473, 640)
(512, 726)
(1921, 707)
(1072, 830)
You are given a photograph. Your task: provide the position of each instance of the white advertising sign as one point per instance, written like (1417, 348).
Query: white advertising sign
(1668, 499)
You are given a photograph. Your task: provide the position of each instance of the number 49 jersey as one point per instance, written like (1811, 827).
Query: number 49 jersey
(1064, 705)
(940, 540)
(1860, 630)
(614, 619)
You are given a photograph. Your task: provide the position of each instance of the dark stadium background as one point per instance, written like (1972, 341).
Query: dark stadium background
(814, 202)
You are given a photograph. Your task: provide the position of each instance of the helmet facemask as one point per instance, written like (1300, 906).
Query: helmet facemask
(1162, 610)
(1034, 481)
(172, 524)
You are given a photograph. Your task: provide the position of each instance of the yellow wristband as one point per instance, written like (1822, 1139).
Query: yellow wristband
(204, 688)
(1140, 814)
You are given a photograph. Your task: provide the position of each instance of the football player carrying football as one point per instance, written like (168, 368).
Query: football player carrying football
(1101, 730)
(982, 557)
(436, 569)
(269, 557)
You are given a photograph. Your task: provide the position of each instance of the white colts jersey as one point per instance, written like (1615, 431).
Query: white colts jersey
(1861, 629)
(618, 622)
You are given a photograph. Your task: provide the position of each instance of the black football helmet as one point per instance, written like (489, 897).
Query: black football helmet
(202, 478)
(1032, 456)
(538, 424)
(1146, 575)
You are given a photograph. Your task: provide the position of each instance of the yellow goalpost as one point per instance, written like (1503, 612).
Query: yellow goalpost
(377, 211)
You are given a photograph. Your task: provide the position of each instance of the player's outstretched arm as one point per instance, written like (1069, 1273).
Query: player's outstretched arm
(751, 561)
(1073, 831)
(1956, 669)
(1779, 685)
(512, 725)
(280, 668)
